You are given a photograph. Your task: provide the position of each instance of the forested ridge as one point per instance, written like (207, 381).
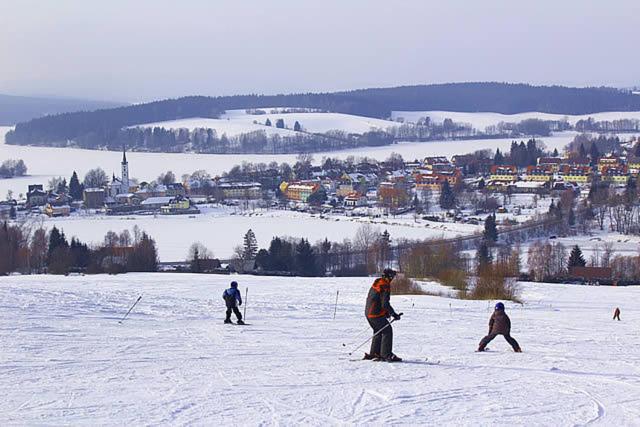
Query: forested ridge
(104, 127)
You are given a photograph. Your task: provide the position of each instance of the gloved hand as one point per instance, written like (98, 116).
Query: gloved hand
(396, 316)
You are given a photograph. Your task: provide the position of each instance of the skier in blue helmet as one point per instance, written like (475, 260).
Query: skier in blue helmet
(499, 324)
(232, 299)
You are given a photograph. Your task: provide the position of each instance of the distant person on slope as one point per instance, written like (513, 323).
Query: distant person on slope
(378, 310)
(232, 299)
(499, 324)
(616, 314)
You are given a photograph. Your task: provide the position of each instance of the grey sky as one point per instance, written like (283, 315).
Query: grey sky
(140, 50)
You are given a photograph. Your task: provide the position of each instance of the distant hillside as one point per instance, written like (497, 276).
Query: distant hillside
(15, 109)
(102, 128)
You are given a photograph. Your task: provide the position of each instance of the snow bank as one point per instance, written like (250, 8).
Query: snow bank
(66, 360)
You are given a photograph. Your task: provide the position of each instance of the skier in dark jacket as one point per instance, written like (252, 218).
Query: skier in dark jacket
(499, 324)
(378, 310)
(232, 299)
(616, 314)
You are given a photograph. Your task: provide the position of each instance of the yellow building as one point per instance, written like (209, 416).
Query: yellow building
(539, 174)
(504, 173)
(298, 191)
(615, 175)
(577, 174)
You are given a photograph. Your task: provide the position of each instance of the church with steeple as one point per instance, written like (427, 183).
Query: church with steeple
(121, 185)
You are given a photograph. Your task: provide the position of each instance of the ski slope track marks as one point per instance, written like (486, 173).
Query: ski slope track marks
(66, 360)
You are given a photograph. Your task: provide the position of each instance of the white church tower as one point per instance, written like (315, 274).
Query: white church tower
(125, 172)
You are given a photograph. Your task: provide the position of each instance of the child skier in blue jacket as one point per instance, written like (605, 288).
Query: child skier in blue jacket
(232, 299)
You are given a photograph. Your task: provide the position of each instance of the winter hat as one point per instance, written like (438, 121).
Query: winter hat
(389, 273)
(500, 306)
(234, 284)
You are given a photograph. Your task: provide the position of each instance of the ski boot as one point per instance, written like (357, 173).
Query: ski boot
(240, 322)
(368, 356)
(517, 350)
(228, 321)
(393, 358)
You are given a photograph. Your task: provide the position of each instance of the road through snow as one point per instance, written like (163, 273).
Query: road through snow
(66, 360)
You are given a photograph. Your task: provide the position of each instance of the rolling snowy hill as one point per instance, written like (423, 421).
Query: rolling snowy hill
(235, 122)
(66, 360)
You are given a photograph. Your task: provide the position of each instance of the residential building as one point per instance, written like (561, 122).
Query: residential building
(504, 173)
(299, 191)
(615, 174)
(539, 173)
(56, 211)
(94, 198)
(240, 190)
(36, 196)
(576, 174)
(355, 200)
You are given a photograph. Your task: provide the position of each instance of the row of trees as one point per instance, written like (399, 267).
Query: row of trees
(28, 249)
(103, 125)
(10, 168)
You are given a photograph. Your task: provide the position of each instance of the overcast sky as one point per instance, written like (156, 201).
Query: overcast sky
(141, 50)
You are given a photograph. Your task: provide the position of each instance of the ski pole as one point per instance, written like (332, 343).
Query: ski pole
(357, 337)
(134, 304)
(246, 295)
(374, 335)
(336, 308)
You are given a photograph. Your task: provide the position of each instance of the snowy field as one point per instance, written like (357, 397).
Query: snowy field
(46, 162)
(220, 230)
(67, 361)
(481, 120)
(235, 122)
(228, 127)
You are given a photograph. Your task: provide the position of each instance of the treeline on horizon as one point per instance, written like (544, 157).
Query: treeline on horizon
(104, 125)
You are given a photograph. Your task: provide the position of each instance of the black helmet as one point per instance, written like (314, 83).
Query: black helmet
(234, 284)
(389, 273)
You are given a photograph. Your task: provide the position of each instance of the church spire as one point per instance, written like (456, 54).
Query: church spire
(124, 154)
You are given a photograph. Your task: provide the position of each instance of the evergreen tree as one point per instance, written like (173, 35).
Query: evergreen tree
(555, 152)
(58, 259)
(447, 197)
(195, 262)
(571, 219)
(268, 122)
(594, 153)
(280, 123)
(250, 245)
(305, 259)
(62, 187)
(582, 152)
(498, 158)
(483, 255)
(576, 259)
(297, 127)
(490, 233)
(318, 198)
(481, 184)
(75, 188)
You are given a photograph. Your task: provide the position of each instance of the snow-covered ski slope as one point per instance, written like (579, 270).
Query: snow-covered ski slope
(66, 360)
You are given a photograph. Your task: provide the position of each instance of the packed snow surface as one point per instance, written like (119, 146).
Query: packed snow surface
(67, 360)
